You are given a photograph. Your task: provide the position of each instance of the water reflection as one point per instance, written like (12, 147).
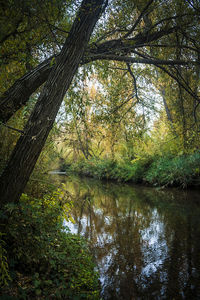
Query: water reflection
(146, 242)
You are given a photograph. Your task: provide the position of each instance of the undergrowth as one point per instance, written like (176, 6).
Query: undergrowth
(42, 259)
(155, 170)
(181, 171)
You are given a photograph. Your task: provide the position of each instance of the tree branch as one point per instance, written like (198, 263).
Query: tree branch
(138, 19)
(134, 81)
(148, 61)
(12, 128)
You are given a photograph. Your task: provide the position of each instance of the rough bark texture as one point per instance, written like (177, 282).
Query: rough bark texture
(29, 146)
(19, 93)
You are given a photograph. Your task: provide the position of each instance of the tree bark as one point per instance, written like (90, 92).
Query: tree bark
(18, 94)
(29, 145)
(167, 110)
(168, 113)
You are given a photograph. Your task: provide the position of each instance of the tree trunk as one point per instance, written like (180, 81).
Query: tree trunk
(18, 94)
(29, 146)
(168, 113)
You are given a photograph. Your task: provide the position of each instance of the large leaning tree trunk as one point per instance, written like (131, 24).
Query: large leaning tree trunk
(29, 145)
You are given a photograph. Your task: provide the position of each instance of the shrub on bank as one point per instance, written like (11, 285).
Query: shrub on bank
(110, 169)
(175, 171)
(44, 260)
(181, 170)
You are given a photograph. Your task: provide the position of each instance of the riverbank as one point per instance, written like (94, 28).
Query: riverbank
(163, 171)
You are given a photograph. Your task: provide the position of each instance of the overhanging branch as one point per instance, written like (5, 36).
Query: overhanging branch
(146, 61)
(18, 94)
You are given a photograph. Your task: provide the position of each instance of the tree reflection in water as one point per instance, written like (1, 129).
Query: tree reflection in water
(146, 242)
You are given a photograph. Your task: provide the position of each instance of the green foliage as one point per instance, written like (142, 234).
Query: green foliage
(156, 170)
(45, 260)
(110, 169)
(26, 31)
(179, 171)
(4, 273)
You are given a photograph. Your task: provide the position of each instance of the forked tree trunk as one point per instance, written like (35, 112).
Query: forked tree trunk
(29, 146)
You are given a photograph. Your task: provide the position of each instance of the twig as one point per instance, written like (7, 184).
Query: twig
(12, 128)
(138, 19)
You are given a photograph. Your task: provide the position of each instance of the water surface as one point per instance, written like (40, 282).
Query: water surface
(146, 242)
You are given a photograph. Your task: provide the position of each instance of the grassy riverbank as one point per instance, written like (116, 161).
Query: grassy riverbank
(39, 257)
(182, 171)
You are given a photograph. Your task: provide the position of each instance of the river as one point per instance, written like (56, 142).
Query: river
(146, 241)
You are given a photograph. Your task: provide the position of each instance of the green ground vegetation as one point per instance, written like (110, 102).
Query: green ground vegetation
(40, 258)
(180, 171)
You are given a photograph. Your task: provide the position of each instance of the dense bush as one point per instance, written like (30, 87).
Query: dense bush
(110, 169)
(45, 261)
(181, 170)
(156, 170)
